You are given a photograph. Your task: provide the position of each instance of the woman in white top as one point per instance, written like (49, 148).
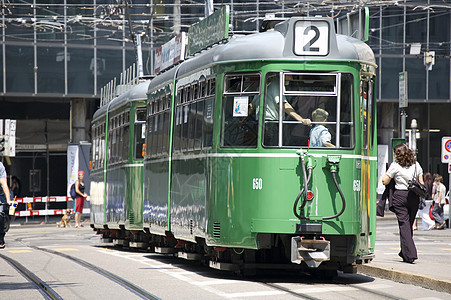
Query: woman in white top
(405, 203)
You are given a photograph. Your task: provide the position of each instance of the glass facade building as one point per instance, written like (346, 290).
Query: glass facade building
(53, 52)
(401, 36)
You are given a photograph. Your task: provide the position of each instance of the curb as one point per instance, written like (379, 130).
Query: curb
(427, 282)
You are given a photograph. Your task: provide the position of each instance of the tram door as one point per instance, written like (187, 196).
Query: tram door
(367, 129)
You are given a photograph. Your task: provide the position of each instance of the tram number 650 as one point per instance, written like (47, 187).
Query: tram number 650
(257, 183)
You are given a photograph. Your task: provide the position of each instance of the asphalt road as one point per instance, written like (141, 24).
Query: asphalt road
(167, 277)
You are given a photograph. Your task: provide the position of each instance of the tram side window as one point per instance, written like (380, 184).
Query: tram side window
(118, 139)
(111, 141)
(166, 116)
(157, 126)
(313, 96)
(366, 104)
(198, 122)
(240, 106)
(194, 116)
(95, 147)
(101, 145)
(178, 128)
(125, 134)
(140, 132)
(208, 122)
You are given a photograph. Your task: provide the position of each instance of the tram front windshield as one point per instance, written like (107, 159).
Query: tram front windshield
(323, 98)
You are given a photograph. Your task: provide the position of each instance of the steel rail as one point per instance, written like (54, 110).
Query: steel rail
(120, 281)
(289, 291)
(45, 290)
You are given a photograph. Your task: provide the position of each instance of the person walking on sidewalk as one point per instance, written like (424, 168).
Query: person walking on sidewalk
(5, 198)
(438, 194)
(404, 202)
(423, 210)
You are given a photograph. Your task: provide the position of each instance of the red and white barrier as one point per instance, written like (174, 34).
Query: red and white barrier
(45, 199)
(42, 199)
(48, 212)
(45, 212)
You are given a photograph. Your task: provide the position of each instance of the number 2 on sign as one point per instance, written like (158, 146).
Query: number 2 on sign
(311, 38)
(257, 183)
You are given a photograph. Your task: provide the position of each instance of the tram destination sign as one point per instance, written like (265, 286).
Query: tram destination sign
(209, 31)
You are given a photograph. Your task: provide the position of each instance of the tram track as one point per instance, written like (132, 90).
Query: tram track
(378, 293)
(118, 280)
(289, 291)
(339, 281)
(43, 288)
(49, 293)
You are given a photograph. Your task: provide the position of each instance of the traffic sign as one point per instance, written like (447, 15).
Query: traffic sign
(446, 149)
(403, 98)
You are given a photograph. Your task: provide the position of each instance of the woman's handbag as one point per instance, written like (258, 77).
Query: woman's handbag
(422, 203)
(415, 186)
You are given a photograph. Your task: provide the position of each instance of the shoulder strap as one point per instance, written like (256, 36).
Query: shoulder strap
(415, 173)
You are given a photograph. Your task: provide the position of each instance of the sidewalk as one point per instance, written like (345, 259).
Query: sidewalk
(432, 270)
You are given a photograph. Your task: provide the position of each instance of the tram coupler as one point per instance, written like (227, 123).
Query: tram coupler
(311, 251)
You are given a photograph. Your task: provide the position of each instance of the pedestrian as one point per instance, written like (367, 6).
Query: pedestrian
(423, 210)
(404, 202)
(16, 186)
(438, 194)
(80, 199)
(5, 200)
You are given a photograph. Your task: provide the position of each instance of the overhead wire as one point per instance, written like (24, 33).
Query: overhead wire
(139, 15)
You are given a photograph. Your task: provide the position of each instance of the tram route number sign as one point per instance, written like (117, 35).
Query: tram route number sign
(446, 149)
(311, 38)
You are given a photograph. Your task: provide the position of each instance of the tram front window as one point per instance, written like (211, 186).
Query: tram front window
(317, 97)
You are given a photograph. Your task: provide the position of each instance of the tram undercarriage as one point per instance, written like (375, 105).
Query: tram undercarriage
(313, 254)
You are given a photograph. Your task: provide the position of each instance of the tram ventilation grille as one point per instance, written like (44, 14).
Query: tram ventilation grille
(131, 217)
(216, 230)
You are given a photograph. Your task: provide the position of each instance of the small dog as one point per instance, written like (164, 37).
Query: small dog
(65, 220)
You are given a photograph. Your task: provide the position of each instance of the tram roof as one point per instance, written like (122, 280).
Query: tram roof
(274, 45)
(137, 92)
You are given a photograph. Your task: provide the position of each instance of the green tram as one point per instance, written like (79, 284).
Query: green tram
(231, 172)
(261, 151)
(118, 133)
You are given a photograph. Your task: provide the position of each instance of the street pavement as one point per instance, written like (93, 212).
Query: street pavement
(432, 269)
